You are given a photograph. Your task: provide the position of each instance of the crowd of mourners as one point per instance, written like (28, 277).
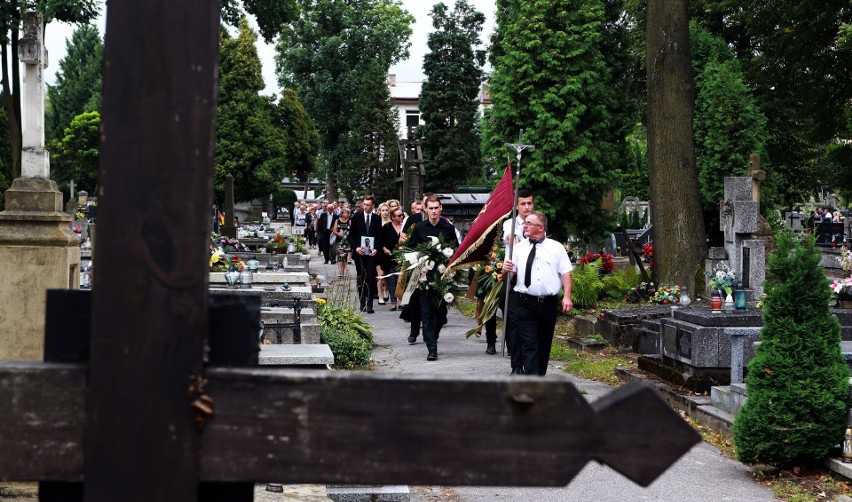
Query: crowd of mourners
(368, 233)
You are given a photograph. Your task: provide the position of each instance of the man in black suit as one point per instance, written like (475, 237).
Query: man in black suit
(365, 224)
(325, 222)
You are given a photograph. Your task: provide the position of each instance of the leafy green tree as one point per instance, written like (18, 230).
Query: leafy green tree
(11, 13)
(271, 15)
(790, 59)
(324, 55)
(247, 145)
(373, 140)
(298, 135)
(552, 80)
(78, 81)
(77, 153)
(449, 98)
(798, 381)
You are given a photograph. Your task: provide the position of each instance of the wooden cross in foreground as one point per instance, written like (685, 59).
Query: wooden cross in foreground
(147, 419)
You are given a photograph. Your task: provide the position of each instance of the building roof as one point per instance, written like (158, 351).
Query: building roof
(405, 90)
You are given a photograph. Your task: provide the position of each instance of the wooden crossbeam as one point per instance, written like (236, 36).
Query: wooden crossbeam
(318, 427)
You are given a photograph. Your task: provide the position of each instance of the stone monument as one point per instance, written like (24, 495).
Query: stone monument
(37, 245)
(744, 253)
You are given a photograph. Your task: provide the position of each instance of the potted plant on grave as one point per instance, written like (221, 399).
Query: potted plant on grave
(277, 244)
(722, 279)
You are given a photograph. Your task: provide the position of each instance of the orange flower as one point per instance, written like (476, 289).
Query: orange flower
(493, 255)
(488, 269)
(494, 247)
(499, 277)
(499, 265)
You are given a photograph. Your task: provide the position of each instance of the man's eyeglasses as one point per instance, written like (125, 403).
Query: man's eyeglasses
(531, 224)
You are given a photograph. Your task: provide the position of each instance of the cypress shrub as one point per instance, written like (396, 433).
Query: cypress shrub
(798, 382)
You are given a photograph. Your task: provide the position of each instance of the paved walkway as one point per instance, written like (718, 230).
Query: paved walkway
(703, 474)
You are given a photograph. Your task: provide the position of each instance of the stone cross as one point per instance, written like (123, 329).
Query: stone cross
(757, 175)
(738, 216)
(35, 162)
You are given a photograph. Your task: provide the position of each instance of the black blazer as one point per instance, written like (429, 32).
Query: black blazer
(358, 228)
(322, 221)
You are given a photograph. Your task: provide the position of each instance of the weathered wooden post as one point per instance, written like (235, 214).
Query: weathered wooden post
(156, 172)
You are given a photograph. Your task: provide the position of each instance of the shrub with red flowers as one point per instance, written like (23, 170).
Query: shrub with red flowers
(607, 264)
(648, 254)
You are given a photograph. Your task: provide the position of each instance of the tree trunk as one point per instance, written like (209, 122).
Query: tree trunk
(679, 240)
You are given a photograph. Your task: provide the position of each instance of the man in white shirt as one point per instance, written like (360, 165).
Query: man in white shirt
(526, 205)
(543, 270)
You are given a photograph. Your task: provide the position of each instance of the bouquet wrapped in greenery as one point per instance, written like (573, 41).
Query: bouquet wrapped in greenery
(426, 264)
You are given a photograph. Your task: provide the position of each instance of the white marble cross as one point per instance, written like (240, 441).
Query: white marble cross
(35, 162)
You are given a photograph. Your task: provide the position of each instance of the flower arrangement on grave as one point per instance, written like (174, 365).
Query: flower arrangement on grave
(227, 244)
(722, 279)
(220, 261)
(300, 243)
(277, 244)
(641, 293)
(846, 260)
(77, 229)
(427, 263)
(667, 296)
(842, 289)
(607, 265)
(79, 215)
(648, 254)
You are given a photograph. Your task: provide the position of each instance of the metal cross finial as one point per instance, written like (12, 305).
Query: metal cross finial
(520, 147)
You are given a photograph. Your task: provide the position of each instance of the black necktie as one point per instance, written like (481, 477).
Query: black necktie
(530, 260)
(368, 222)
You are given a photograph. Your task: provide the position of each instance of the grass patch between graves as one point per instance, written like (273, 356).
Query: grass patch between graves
(596, 365)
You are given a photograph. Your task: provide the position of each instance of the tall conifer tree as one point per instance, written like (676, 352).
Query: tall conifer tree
(552, 80)
(449, 99)
(78, 81)
(247, 145)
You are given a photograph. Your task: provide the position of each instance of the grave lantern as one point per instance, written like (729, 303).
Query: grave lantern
(232, 276)
(252, 263)
(245, 278)
(740, 297)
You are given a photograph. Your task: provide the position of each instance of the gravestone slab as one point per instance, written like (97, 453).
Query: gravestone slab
(295, 355)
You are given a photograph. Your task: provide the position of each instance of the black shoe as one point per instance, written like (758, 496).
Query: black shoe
(370, 310)
(517, 371)
(412, 339)
(433, 356)
(490, 350)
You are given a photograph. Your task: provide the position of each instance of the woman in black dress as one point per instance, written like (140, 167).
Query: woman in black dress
(390, 237)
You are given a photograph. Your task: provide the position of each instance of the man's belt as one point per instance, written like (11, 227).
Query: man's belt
(533, 298)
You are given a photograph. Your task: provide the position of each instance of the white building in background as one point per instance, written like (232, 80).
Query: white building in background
(406, 98)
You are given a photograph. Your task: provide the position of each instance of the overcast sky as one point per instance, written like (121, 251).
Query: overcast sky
(406, 71)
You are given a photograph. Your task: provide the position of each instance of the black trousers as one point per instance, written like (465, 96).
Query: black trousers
(535, 320)
(365, 268)
(434, 318)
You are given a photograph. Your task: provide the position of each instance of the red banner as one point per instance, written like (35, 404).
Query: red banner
(486, 227)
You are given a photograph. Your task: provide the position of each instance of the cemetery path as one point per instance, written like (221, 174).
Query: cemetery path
(703, 474)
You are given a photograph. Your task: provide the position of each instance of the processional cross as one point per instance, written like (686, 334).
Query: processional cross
(148, 418)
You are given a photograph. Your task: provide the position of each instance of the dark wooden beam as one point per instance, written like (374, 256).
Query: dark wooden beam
(150, 289)
(328, 427)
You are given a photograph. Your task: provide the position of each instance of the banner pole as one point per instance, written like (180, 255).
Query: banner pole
(519, 147)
